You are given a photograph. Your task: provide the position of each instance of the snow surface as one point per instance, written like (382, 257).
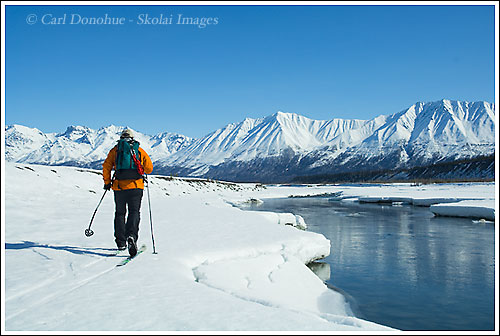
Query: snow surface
(217, 267)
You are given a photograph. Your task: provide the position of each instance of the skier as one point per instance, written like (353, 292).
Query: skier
(130, 163)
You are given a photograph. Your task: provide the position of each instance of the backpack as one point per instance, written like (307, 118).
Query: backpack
(127, 163)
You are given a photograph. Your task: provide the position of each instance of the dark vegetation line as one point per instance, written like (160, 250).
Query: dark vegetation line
(481, 168)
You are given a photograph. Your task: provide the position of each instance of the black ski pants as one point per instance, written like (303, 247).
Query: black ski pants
(131, 199)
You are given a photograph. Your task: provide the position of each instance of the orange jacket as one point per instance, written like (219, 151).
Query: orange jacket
(109, 164)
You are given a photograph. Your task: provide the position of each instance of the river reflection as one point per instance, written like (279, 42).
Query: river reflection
(404, 267)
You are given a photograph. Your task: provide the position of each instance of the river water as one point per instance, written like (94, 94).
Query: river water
(402, 267)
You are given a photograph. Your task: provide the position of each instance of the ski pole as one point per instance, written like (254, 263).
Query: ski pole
(89, 232)
(150, 216)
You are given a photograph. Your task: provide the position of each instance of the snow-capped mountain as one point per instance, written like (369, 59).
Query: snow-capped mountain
(423, 134)
(262, 138)
(81, 146)
(284, 145)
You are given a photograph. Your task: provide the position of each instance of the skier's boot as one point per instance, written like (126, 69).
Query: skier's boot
(132, 246)
(121, 245)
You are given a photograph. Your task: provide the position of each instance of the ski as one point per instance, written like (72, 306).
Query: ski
(128, 259)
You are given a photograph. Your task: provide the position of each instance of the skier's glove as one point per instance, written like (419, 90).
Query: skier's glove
(107, 186)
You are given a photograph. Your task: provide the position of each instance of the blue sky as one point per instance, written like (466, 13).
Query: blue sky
(322, 62)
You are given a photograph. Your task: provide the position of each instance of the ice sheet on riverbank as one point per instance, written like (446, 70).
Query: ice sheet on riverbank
(474, 199)
(481, 209)
(217, 267)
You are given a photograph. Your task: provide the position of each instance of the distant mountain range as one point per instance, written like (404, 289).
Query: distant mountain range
(283, 146)
(81, 146)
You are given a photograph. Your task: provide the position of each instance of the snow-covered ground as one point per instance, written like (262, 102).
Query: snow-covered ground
(217, 268)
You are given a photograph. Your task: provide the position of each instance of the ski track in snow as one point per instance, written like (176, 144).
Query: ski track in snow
(63, 283)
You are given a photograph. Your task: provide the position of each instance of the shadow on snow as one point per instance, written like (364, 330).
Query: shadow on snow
(98, 251)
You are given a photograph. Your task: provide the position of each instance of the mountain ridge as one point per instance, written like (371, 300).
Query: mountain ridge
(283, 145)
